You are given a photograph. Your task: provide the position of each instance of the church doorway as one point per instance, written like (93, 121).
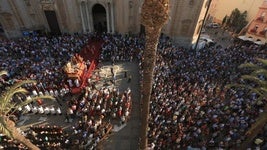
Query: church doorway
(52, 22)
(99, 18)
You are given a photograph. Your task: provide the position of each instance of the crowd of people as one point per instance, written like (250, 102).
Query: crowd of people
(32, 59)
(8, 143)
(121, 48)
(48, 137)
(190, 106)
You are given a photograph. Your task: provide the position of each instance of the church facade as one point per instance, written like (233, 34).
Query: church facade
(22, 17)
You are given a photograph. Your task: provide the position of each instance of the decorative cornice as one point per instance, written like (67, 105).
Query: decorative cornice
(48, 7)
(47, 1)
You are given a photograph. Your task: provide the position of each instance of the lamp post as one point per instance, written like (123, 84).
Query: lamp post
(204, 19)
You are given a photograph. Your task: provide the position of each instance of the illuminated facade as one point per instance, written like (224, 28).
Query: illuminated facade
(21, 17)
(257, 29)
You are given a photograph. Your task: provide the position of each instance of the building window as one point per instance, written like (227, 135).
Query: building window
(47, 1)
(261, 18)
(254, 30)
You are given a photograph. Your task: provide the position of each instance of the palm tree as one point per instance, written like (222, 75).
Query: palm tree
(154, 15)
(259, 87)
(7, 110)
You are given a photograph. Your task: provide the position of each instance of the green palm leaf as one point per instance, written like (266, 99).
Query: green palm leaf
(259, 72)
(236, 85)
(263, 61)
(255, 90)
(264, 90)
(7, 95)
(249, 65)
(254, 79)
(3, 73)
(4, 128)
(6, 99)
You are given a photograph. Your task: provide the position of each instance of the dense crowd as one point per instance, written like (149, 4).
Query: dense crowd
(121, 48)
(190, 106)
(32, 59)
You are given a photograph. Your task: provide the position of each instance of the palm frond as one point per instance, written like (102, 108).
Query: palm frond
(263, 61)
(256, 90)
(236, 85)
(259, 72)
(249, 66)
(264, 90)
(9, 107)
(3, 73)
(6, 99)
(4, 128)
(254, 79)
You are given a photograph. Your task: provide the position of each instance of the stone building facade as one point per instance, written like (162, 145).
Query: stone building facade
(257, 29)
(21, 17)
(220, 8)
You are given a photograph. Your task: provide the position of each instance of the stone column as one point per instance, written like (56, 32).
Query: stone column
(108, 19)
(83, 23)
(112, 17)
(88, 17)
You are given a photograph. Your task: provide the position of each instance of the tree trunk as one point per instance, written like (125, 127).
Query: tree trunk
(154, 15)
(152, 38)
(19, 137)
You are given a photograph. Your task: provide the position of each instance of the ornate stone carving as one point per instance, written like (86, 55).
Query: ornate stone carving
(47, 1)
(48, 7)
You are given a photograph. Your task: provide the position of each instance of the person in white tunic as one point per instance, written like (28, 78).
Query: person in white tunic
(34, 93)
(56, 93)
(70, 82)
(52, 110)
(59, 111)
(27, 109)
(76, 81)
(46, 92)
(41, 93)
(34, 109)
(51, 92)
(46, 110)
(41, 110)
